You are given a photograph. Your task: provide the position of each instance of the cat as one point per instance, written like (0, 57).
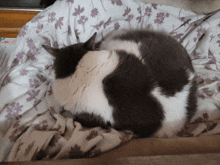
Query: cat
(137, 80)
(46, 3)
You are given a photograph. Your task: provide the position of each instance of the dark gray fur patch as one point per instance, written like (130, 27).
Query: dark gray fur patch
(166, 59)
(128, 91)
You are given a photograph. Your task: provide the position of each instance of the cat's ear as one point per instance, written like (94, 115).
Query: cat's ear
(53, 51)
(90, 43)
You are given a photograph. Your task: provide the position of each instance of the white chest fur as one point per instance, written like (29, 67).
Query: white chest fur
(83, 91)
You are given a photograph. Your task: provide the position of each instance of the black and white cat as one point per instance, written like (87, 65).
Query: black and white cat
(138, 80)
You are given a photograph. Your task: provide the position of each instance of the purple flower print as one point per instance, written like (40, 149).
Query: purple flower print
(200, 95)
(14, 63)
(130, 17)
(194, 39)
(70, 1)
(208, 92)
(208, 67)
(55, 44)
(51, 17)
(30, 56)
(76, 34)
(39, 27)
(139, 19)
(139, 10)
(36, 19)
(199, 80)
(13, 110)
(32, 94)
(154, 6)
(82, 20)
(94, 12)
(46, 41)
(20, 55)
(116, 26)
(148, 26)
(23, 72)
(218, 40)
(107, 22)
(178, 36)
(34, 83)
(41, 77)
(36, 102)
(23, 30)
(211, 37)
(78, 11)
(6, 80)
(69, 30)
(49, 69)
(99, 25)
(59, 23)
(216, 79)
(148, 11)
(30, 44)
(195, 55)
(182, 19)
(218, 43)
(212, 58)
(32, 47)
(127, 11)
(200, 31)
(160, 18)
(36, 52)
(118, 2)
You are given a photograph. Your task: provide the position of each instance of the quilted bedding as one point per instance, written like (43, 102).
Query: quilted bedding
(31, 128)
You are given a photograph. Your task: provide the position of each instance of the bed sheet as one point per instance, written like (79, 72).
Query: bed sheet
(31, 128)
(5, 51)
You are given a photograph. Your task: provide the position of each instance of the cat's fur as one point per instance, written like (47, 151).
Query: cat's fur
(46, 3)
(139, 80)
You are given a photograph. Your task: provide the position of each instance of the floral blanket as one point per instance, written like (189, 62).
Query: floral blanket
(31, 128)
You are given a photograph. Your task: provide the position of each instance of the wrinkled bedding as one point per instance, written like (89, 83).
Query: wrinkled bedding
(31, 128)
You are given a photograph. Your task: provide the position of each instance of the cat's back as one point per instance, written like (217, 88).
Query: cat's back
(148, 45)
(160, 69)
(165, 58)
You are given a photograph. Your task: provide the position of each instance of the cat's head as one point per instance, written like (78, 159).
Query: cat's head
(67, 58)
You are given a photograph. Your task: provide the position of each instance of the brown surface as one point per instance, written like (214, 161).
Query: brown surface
(157, 146)
(152, 149)
(185, 159)
(12, 20)
(192, 159)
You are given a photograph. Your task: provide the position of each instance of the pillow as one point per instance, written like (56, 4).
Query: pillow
(197, 6)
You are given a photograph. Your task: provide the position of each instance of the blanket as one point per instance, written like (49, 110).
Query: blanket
(31, 128)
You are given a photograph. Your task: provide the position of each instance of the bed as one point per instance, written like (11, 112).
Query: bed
(31, 128)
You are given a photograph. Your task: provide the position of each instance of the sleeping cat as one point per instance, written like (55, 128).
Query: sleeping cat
(138, 80)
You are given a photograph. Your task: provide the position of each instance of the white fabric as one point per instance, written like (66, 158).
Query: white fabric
(27, 74)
